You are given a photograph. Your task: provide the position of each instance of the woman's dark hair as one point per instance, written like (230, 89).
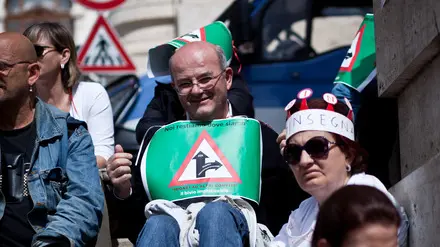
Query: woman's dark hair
(350, 208)
(61, 38)
(349, 147)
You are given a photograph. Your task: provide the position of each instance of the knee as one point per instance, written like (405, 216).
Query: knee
(215, 216)
(161, 222)
(214, 211)
(157, 229)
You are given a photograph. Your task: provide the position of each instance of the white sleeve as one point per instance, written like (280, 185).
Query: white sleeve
(100, 122)
(364, 179)
(298, 231)
(282, 239)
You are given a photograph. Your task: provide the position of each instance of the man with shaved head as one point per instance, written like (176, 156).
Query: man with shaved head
(202, 79)
(50, 188)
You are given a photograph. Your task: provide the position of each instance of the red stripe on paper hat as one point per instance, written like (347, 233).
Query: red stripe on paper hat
(288, 106)
(350, 114)
(303, 95)
(331, 101)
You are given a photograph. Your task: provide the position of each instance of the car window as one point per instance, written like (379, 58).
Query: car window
(279, 40)
(121, 92)
(284, 29)
(335, 27)
(330, 32)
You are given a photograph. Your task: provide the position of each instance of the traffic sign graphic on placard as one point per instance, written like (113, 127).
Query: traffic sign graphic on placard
(353, 52)
(197, 35)
(103, 52)
(100, 4)
(205, 163)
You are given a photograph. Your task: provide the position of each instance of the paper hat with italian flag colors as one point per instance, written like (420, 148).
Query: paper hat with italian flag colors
(335, 117)
(215, 33)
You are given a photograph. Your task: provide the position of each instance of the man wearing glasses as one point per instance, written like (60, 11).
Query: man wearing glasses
(45, 199)
(202, 79)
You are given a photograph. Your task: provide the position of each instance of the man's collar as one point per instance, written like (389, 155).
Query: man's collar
(229, 115)
(46, 116)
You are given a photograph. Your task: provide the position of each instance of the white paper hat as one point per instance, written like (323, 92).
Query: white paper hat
(318, 119)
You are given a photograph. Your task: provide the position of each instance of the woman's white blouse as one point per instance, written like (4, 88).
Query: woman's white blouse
(91, 104)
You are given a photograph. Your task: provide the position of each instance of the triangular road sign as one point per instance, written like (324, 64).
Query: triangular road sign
(353, 52)
(102, 52)
(204, 163)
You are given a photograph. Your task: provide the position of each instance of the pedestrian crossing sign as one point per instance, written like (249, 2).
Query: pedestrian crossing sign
(102, 52)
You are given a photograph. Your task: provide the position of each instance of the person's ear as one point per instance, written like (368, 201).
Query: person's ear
(349, 156)
(65, 56)
(350, 159)
(323, 243)
(33, 73)
(228, 76)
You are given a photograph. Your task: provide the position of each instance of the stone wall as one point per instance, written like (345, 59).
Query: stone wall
(408, 62)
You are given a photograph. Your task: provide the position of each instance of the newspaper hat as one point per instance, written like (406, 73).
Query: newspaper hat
(302, 118)
(215, 33)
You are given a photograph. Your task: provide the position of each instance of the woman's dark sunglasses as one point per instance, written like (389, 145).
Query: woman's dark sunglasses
(317, 147)
(39, 49)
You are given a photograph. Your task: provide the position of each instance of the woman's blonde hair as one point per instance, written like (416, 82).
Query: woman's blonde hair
(61, 39)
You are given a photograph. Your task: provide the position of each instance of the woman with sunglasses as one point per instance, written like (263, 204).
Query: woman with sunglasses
(58, 85)
(321, 151)
(86, 101)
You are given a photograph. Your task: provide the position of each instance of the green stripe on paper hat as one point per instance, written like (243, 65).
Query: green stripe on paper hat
(215, 33)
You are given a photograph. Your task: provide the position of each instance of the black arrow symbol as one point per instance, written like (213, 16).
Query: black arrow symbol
(202, 166)
(208, 166)
(200, 162)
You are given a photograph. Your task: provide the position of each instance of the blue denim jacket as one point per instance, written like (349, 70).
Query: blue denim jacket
(63, 181)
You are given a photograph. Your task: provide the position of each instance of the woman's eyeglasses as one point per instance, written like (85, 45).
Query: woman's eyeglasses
(317, 147)
(39, 49)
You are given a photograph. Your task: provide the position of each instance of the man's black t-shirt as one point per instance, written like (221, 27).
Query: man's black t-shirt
(16, 149)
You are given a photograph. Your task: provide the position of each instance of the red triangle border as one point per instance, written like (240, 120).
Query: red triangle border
(101, 21)
(205, 136)
(358, 48)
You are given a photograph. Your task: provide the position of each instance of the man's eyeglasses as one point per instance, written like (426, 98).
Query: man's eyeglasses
(5, 67)
(317, 147)
(39, 49)
(204, 83)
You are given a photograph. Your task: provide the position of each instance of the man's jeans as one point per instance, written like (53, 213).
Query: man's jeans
(218, 223)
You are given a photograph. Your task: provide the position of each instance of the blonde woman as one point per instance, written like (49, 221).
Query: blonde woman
(58, 85)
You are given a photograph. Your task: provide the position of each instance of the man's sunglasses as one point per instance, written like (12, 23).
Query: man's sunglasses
(39, 49)
(317, 147)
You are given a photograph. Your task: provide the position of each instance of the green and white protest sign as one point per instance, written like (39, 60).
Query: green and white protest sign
(189, 159)
(359, 66)
(215, 33)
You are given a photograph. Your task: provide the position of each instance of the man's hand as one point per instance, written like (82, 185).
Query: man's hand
(281, 140)
(119, 171)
